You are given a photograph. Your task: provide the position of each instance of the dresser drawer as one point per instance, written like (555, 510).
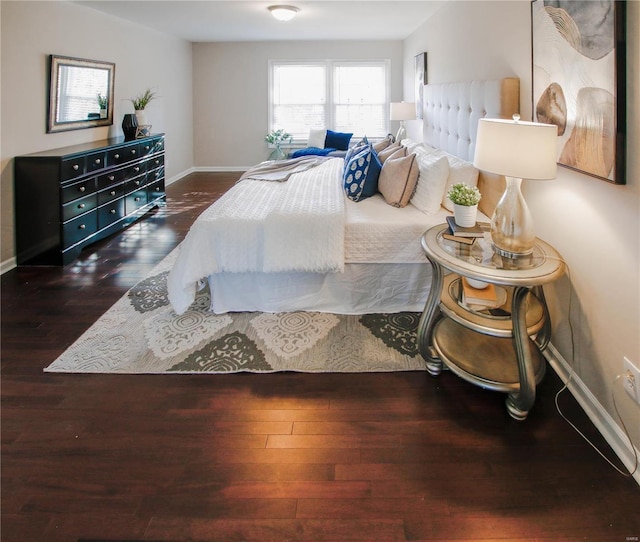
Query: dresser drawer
(110, 193)
(110, 213)
(135, 184)
(78, 190)
(96, 161)
(155, 190)
(132, 171)
(72, 168)
(135, 200)
(122, 155)
(79, 206)
(78, 229)
(155, 162)
(146, 148)
(108, 179)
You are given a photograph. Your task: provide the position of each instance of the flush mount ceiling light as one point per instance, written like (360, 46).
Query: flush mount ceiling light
(282, 12)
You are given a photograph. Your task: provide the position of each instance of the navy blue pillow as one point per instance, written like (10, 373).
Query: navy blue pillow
(361, 174)
(337, 140)
(311, 151)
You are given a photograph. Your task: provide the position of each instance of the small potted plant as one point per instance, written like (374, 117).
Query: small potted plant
(465, 200)
(277, 138)
(102, 103)
(140, 102)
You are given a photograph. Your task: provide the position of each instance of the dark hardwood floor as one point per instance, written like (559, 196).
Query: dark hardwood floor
(305, 457)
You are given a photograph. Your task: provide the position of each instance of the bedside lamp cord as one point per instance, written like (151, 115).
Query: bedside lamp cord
(613, 398)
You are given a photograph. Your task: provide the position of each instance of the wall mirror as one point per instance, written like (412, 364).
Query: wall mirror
(80, 93)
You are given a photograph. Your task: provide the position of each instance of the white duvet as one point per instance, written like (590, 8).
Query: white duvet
(265, 226)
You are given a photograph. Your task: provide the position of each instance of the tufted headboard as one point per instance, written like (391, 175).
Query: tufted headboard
(451, 112)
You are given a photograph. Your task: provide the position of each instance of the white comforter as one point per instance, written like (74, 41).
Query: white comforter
(265, 226)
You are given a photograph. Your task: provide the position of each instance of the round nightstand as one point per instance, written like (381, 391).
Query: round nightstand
(497, 346)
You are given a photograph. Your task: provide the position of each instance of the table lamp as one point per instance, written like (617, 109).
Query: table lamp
(518, 150)
(402, 111)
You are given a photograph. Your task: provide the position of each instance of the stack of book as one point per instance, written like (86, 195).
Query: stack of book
(463, 235)
(479, 298)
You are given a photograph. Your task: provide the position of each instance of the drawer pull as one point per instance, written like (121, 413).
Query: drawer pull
(76, 167)
(81, 206)
(112, 193)
(133, 151)
(136, 200)
(137, 183)
(116, 156)
(111, 177)
(98, 160)
(82, 189)
(112, 211)
(157, 162)
(157, 189)
(81, 227)
(147, 147)
(136, 169)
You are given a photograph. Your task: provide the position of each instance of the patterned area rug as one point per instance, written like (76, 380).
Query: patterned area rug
(141, 334)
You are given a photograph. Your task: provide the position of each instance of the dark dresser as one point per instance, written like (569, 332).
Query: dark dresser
(71, 197)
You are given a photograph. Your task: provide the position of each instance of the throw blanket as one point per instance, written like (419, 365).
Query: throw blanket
(265, 227)
(281, 170)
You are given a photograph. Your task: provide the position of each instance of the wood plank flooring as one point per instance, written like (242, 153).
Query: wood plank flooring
(300, 457)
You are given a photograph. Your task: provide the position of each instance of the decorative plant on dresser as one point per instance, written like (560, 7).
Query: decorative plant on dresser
(71, 197)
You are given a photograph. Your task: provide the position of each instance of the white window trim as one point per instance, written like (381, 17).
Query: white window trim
(329, 64)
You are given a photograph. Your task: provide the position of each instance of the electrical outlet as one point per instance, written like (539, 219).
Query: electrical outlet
(631, 379)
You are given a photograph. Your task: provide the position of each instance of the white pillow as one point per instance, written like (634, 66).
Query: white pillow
(317, 137)
(460, 171)
(434, 172)
(410, 144)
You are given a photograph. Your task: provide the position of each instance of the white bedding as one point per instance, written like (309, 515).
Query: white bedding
(272, 247)
(267, 227)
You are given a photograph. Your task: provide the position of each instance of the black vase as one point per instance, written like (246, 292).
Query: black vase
(129, 126)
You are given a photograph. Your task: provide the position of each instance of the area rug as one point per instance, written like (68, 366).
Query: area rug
(141, 334)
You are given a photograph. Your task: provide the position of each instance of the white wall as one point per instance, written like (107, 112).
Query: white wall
(594, 224)
(144, 58)
(231, 89)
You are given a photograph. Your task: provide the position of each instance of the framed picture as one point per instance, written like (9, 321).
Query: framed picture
(578, 50)
(420, 62)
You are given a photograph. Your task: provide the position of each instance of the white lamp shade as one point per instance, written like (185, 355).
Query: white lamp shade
(402, 111)
(525, 150)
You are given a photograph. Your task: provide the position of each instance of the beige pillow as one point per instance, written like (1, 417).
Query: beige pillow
(460, 171)
(381, 145)
(389, 151)
(398, 179)
(434, 173)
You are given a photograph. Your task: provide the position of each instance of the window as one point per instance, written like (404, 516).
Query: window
(340, 95)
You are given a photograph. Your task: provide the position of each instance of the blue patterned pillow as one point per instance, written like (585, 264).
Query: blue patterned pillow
(337, 140)
(361, 174)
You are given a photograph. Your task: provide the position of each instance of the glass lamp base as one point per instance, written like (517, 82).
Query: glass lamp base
(402, 132)
(512, 233)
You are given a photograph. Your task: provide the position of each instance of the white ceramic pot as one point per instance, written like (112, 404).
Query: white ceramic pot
(141, 117)
(465, 215)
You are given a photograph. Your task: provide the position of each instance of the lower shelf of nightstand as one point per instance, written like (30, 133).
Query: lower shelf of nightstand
(489, 362)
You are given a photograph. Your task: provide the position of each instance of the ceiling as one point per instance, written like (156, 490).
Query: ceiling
(249, 20)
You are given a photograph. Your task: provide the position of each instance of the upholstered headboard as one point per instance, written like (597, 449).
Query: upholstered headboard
(451, 112)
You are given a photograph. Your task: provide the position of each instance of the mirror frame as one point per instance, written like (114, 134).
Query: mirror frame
(55, 62)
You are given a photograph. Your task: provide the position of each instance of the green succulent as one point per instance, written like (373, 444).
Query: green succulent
(142, 100)
(277, 137)
(463, 194)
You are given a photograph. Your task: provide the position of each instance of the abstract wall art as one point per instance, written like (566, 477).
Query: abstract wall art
(578, 79)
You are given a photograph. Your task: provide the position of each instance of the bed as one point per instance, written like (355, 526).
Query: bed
(305, 243)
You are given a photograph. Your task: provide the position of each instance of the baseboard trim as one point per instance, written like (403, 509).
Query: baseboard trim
(606, 425)
(179, 176)
(8, 265)
(227, 169)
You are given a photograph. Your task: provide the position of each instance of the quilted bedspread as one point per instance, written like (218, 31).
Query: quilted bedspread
(264, 226)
